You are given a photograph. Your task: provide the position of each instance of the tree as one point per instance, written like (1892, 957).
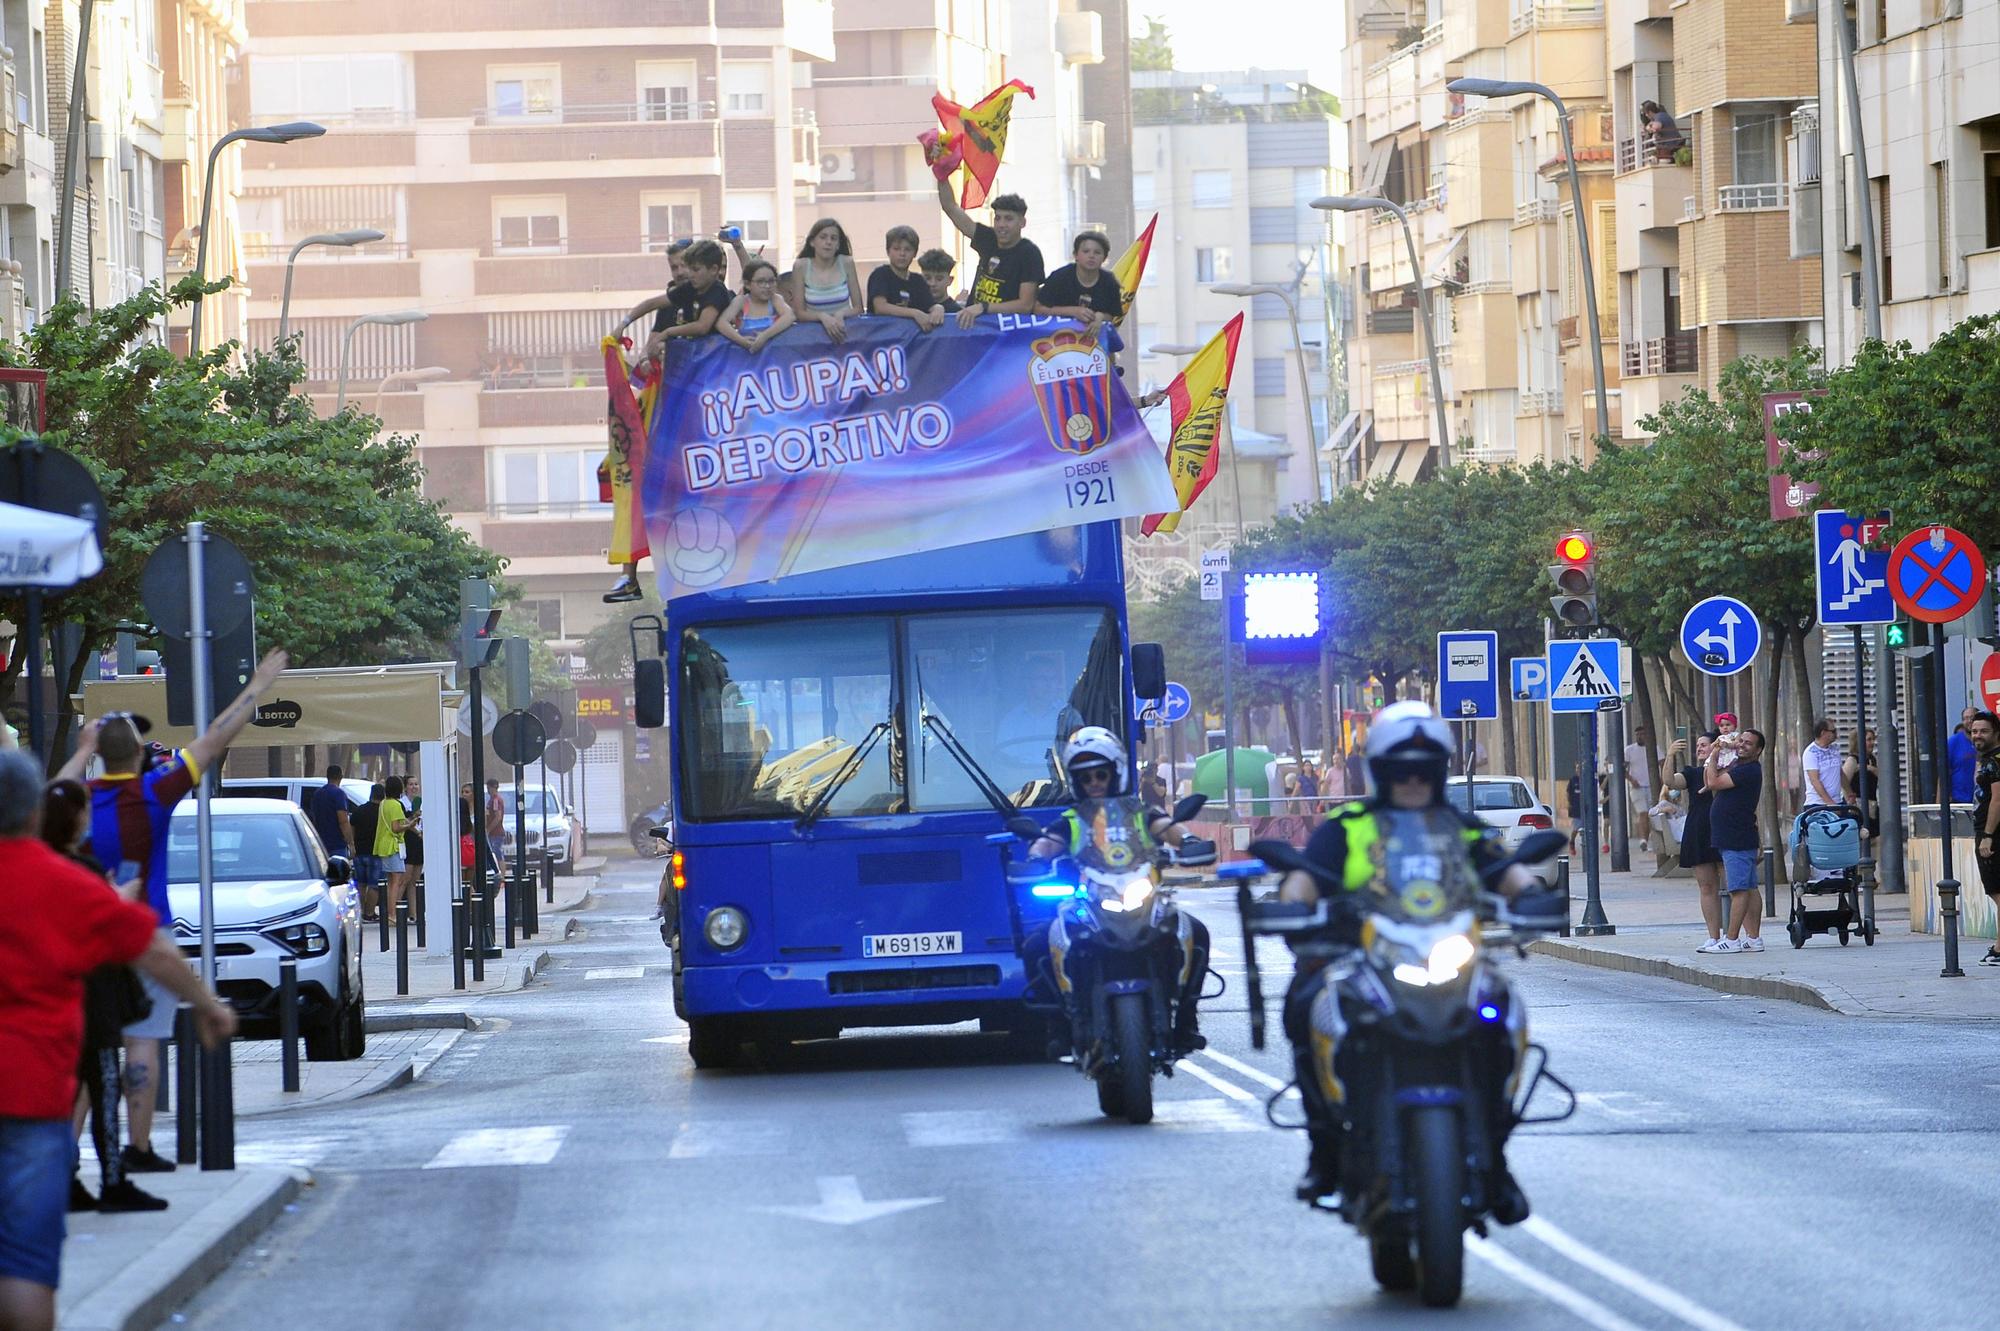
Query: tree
(353, 564)
(1153, 52)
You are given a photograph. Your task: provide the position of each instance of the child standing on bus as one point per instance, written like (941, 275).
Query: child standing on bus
(692, 307)
(1083, 290)
(937, 266)
(895, 291)
(760, 313)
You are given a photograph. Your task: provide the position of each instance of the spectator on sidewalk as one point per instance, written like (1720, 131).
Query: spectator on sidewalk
(391, 825)
(367, 865)
(1824, 787)
(131, 804)
(1984, 731)
(496, 821)
(1639, 780)
(1963, 757)
(1698, 854)
(58, 922)
(1732, 824)
(1852, 771)
(328, 809)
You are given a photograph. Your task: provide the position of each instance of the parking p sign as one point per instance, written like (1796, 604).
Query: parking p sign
(1531, 678)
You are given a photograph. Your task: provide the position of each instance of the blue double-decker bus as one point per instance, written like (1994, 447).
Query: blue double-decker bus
(844, 743)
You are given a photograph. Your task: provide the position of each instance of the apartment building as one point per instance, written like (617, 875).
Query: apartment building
(119, 241)
(27, 168)
(1231, 162)
(1929, 77)
(201, 45)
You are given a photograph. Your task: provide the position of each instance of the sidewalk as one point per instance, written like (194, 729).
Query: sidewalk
(126, 1272)
(1658, 923)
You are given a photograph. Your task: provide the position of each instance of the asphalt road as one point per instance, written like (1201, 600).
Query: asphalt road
(1735, 1163)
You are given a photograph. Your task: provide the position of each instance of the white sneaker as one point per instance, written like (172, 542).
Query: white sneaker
(1729, 945)
(1712, 945)
(1753, 945)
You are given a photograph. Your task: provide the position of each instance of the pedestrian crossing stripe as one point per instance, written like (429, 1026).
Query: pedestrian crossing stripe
(1586, 677)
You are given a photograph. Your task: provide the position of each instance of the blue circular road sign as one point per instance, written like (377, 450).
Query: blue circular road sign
(1174, 704)
(1720, 636)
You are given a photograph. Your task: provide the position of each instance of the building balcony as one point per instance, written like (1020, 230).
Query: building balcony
(279, 19)
(1637, 153)
(1801, 11)
(343, 279)
(353, 151)
(581, 134)
(1769, 196)
(1527, 18)
(1650, 198)
(538, 270)
(1736, 265)
(1676, 353)
(540, 407)
(890, 15)
(1539, 402)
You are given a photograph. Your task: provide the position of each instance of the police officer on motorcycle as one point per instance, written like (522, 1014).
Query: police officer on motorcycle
(1408, 751)
(1094, 761)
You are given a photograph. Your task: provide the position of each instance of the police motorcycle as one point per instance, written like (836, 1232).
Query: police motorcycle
(1411, 1013)
(1119, 952)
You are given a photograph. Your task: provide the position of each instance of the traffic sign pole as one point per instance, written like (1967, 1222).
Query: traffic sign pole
(1864, 872)
(1594, 924)
(1947, 888)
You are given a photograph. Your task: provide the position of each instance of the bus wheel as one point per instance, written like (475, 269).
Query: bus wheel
(712, 1043)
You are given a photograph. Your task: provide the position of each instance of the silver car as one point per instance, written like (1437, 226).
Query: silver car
(277, 895)
(1505, 804)
(548, 825)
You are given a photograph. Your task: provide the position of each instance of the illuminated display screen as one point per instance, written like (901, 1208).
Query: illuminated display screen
(1280, 606)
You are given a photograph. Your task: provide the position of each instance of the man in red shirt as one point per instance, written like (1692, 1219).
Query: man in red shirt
(58, 922)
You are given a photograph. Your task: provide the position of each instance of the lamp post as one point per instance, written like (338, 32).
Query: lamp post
(392, 319)
(1251, 289)
(285, 133)
(1512, 88)
(345, 239)
(429, 374)
(1346, 203)
(1621, 855)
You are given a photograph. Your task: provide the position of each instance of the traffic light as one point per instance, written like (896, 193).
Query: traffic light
(1896, 635)
(478, 618)
(1575, 577)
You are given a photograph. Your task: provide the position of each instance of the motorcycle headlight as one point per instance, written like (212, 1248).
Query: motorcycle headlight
(1449, 956)
(1134, 894)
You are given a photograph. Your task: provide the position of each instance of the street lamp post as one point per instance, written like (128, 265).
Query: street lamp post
(429, 374)
(1344, 203)
(1228, 671)
(345, 239)
(1621, 854)
(1298, 345)
(285, 133)
(392, 319)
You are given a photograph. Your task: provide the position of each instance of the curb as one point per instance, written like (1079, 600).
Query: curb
(523, 969)
(445, 1019)
(1748, 986)
(401, 1072)
(177, 1267)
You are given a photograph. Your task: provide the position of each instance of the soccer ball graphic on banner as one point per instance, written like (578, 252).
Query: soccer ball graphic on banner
(704, 547)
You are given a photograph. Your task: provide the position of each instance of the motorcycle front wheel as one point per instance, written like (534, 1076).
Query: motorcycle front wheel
(1438, 1170)
(1135, 1056)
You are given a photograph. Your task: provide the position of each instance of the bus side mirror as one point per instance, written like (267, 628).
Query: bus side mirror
(649, 693)
(1149, 670)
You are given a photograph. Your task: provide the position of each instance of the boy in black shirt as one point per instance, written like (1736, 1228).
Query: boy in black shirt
(693, 306)
(937, 266)
(896, 291)
(1083, 290)
(1010, 267)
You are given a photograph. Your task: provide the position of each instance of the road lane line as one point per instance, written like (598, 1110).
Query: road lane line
(1582, 1305)
(616, 973)
(1207, 1114)
(727, 1137)
(1667, 1300)
(501, 1146)
(958, 1127)
(1228, 1088)
(1258, 1075)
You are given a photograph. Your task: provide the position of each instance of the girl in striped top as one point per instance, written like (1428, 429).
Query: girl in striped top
(824, 288)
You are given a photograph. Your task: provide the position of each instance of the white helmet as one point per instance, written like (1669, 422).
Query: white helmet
(1094, 746)
(1407, 739)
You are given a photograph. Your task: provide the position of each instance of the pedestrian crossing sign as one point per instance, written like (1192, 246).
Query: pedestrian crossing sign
(1584, 674)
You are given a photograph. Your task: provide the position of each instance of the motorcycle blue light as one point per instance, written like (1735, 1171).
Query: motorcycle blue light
(1487, 1012)
(1052, 890)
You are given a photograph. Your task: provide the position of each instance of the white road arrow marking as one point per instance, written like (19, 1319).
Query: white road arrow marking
(1708, 638)
(840, 1203)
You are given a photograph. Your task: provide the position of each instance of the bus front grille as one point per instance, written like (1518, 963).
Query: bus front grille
(908, 868)
(922, 977)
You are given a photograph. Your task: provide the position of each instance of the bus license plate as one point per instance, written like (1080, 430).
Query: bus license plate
(911, 945)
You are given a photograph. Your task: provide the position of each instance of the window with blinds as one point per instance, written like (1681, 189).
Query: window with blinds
(378, 351)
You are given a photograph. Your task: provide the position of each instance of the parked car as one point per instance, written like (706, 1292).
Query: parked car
(1505, 804)
(293, 788)
(549, 825)
(277, 894)
(644, 844)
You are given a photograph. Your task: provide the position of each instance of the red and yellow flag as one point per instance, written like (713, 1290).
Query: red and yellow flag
(1200, 399)
(626, 420)
(978, 133)
(1130, 269)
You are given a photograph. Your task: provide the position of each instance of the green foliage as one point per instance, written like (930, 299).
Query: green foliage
(353, 565)
(607, 648)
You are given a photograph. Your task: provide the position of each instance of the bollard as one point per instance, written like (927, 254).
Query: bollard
(479, 925)
(187, 1099)
(420, 909)
(403, 948)
(1770, 883)
(510, 887)
(531, 911)
(1562, 881)
(161, 1104)
(457, 941)
(382, 914)
(288, 1020)
(548, 880)
(1947, 890)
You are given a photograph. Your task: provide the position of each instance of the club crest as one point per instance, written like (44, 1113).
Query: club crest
(1072, 379)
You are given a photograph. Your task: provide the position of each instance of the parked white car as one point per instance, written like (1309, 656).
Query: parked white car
(277, 895)
(1505, 804)
(549, 826)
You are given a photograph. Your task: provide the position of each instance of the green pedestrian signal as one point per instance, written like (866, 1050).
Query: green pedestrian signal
(1895, 635)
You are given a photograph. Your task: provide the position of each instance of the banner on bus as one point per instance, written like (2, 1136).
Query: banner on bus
(810, 455)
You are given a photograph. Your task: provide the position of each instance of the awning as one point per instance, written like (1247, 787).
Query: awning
(42, 549)
(1411, 462)
(1441, 270)
(1375, 171)
(386, 705)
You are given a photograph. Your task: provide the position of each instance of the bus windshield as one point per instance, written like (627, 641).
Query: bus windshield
(768, 713)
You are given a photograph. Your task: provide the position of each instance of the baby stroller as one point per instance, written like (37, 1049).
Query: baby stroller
(1827, 839)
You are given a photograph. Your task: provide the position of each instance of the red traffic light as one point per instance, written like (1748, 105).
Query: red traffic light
(1575, 548)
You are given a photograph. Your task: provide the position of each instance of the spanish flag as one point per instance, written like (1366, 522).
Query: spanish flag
(626, 419)
(1200, 400)
(979, 133)
(1130, 269)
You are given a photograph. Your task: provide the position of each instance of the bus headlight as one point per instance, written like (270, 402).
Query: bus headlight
(725, 928)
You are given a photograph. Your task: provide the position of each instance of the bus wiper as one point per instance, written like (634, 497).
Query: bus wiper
(987, 786)
(841, 777)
